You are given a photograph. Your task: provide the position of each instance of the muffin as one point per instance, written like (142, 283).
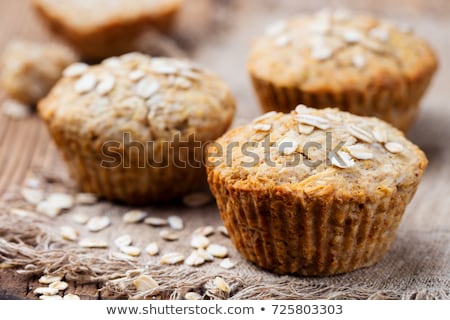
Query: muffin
(313, 192)
(28, 70)
(132, 129)
(101, 28)
(336, 59)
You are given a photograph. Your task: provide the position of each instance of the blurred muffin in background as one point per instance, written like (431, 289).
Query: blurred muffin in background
(337, 59)
(28, 70)
(103, 28)
(132, 129)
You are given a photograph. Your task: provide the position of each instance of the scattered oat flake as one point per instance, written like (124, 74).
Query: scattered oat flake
(197, 199)
(59, 285)
(71, 296)
(205, 255)
(134, 273)
(194, 259)
(134, 216)
(98, 223)
(217, 250)
(275, 28)
(45, 291)
(152, 249)
(80, 218)
(131, 250)
(265, 127)
(352, 36)
(75, 70)
(23, 213)
(86, 198)
(205, 231)
(380, 135)
(313, 120)
(55, 297)
(223, 230)
(199, 241)
(156, 222)
(172, 258)
(341, 15)
(305, 129)
(32, 196)
(227, 264)
(123, 256)
(15, 110)
(394, 147)
(106, 85)
(123, 241)
(85, 84)
(48, 279)
(175, 222)
(145, 283)
(221, 284)
(192, 296)
(33, 183)
(169, 235)
(48, 209)
(61, 200)
(93, 243)
(360, 152)
(360, 133)
(69, 233)
(344, 161)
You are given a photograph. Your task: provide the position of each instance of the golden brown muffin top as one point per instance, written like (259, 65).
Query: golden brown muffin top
(314, 149)
(338, 50)
(84, 16)
(150, 98)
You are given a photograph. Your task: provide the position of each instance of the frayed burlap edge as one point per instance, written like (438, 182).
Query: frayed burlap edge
(32, 251)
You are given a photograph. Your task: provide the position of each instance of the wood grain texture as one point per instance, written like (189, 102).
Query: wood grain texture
(217, 34)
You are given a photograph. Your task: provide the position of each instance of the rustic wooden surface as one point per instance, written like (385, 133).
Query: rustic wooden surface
(217, 33)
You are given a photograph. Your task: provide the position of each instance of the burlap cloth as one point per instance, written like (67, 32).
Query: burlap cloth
(416, 267)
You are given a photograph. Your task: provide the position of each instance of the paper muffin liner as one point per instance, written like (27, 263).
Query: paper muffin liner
(132, 185)
(398, 107)
(314, 235)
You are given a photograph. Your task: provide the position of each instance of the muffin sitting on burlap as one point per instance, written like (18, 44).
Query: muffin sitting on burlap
(314, 192)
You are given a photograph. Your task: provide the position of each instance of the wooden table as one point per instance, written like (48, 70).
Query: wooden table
(218, 38)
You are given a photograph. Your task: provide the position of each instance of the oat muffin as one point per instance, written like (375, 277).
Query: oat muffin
(337, 59)
(314, 192)
(105, 28)
(28, 70)
(132, 128)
